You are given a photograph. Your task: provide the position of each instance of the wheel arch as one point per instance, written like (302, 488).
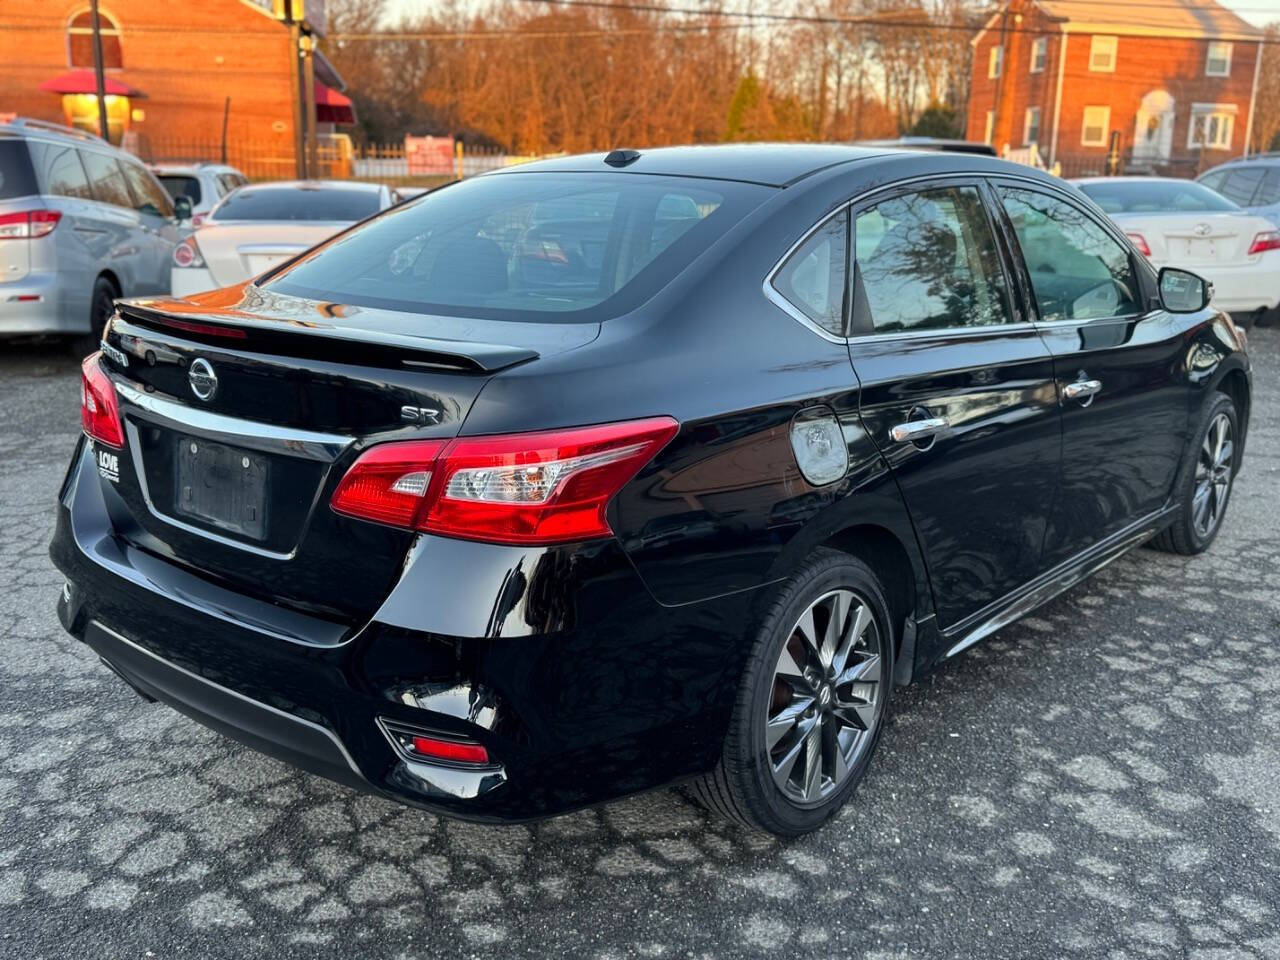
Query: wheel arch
(1234, 382)
(111, 278)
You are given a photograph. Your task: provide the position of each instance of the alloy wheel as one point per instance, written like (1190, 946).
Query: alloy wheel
(827, 689)
(1213, 476)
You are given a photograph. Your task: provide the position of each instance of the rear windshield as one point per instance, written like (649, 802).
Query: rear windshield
(180, 186)
(17, 179)
(1156, 196)
(332, 204)
(526, 246)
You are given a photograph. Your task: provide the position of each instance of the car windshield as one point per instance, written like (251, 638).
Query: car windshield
(179, 185)
(526, 246)
(331, 204)
(1156, 196)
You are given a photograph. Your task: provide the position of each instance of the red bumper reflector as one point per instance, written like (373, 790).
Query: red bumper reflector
(449, 750)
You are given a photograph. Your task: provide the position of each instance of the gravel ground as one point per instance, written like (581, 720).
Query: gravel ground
(1099, 780)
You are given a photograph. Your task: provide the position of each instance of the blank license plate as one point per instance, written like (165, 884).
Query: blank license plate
(221, 486)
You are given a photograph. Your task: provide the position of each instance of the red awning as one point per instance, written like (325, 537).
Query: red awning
(333, 107)
(83, 81)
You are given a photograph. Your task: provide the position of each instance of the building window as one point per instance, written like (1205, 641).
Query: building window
(1039, 54)
(1212, 125)
(995, 60)
(1218, 61)
(80, 41)
(991, 126)
(1031, 127)
(1102, 55)
(1097, 121)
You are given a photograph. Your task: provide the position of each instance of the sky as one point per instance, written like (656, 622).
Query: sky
(1257, 12)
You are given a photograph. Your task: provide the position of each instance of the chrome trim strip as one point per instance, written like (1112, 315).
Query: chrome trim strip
(777, 299)
(307, 444)
(239, 696)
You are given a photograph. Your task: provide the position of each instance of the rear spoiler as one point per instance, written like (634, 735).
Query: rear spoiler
(308, 339)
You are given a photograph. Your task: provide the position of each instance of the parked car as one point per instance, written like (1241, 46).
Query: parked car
(596, 474)
(81, 223)
(259, 226)
(1252, 182)
(1182, 223)
(203, 184)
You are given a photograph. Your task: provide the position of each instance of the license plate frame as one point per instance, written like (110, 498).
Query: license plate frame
(221, 486)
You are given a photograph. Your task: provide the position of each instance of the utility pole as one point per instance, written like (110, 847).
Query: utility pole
(307, 52)
(1010, 58)
(100, 79)
(295, 87)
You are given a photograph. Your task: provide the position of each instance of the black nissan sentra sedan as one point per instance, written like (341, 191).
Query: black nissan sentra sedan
(608, 472)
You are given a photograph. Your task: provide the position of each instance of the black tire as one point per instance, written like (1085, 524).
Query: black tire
(101, 306)
(743, 786)
(1187, 535)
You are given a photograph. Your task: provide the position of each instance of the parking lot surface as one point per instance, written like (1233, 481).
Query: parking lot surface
(1101, 779)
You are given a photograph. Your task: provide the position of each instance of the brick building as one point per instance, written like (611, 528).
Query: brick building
(172, 70)
(1176, 82)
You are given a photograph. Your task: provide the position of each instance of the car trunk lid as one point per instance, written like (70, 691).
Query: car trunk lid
(1204, 240)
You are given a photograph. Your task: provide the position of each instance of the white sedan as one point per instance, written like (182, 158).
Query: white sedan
(1180, 223)
(256, 227)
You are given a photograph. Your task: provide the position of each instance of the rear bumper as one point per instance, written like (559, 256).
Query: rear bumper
(579, 696)
(34, 304)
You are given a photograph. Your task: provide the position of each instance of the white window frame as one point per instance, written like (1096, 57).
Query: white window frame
(1039, 54)
(1026, 126)
(1223, 47)
(995, 62)
(1225, 113)
(1101, 44)
(991, 127)
(1085, 125)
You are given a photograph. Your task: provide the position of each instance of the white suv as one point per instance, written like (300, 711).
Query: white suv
(204, 184)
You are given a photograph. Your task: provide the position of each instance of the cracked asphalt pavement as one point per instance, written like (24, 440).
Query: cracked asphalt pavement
(1101, 779)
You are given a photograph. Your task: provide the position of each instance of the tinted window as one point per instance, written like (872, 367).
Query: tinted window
(1240, 184)
(107, 179)
(927, 261)
(332, 204)
(149, 196)
(16, 176)
(1269, 192)
(1078, 270)
(1213, 180)
(59, 170)
(1156, 196)
(813, 278)
(181, 186)
(522, 246)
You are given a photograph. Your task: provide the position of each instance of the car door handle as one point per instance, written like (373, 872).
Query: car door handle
(918, 429)
(1082, 389)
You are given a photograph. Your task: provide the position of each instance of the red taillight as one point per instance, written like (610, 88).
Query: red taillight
(449, 750)
(187, 254)
(1140, 242)
(197, 219)
(1267, 240)
(532, 488)
(99, 412)
(29, 224)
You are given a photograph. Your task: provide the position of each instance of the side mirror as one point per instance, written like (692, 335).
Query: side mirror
(182, 208)
(1181, 291)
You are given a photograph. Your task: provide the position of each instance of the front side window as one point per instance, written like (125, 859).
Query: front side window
(1211, 126)
(1039, 54)
(1093, 129)
(107, 179)
(813, 278)
(523, 246)
(1217, 61)
(1031, 127)
(80, 41)
(1102, 54)
(1078, 270)
(927, 261)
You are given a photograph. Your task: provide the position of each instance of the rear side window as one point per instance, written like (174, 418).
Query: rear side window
(149, 196)
(1078, 270)
(106, 179)
(813, 278)
(927, 261)
(524, 246)
(319, 204)
(178, 185)
(16, 176)
(1269, 192)
(1240, 184)
(59, 170)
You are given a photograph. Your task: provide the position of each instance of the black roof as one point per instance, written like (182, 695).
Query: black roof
(772, 164)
